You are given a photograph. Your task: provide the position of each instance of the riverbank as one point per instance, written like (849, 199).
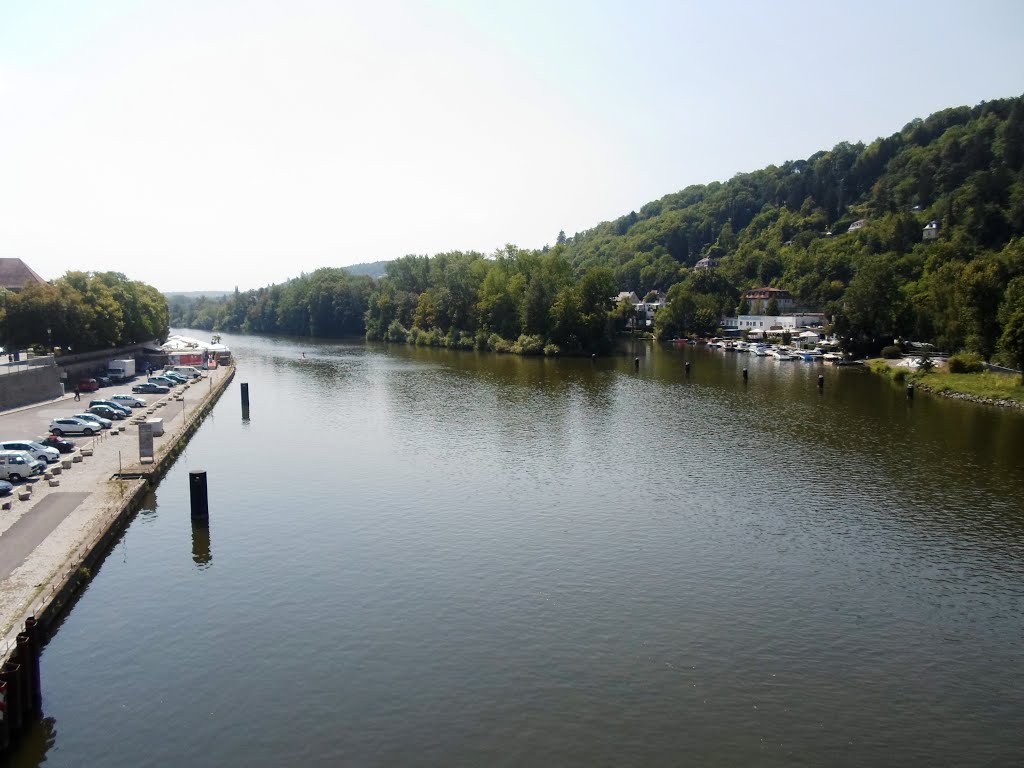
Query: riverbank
(987, 388)
(52, 538)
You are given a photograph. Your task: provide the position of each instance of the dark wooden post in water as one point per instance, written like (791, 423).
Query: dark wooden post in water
(36, 644)
(821, 382)
(744, 375)
(198, 495)
(636, 363)
(245, 400)
(910, 391)
(687, 367)
(5, 733)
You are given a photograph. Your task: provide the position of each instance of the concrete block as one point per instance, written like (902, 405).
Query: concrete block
(87, 451)
(7, 505)
(66, 463)
(56, 471)
(24, 495)
(77, 458)
(54, 482)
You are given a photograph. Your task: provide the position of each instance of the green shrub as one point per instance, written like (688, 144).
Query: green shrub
(396, 332)
(965, 362)
(892, 352)
(528, 345)
(498, 344)
(899, 375)
(552, 350)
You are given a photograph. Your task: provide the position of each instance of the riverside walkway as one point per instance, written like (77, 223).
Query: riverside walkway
(47, 538)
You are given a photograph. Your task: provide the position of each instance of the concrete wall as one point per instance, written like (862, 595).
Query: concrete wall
(31, 385)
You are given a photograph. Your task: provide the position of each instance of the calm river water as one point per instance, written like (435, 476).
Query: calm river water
(424, 557)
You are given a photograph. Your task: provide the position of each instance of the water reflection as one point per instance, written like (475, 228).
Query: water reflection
(201, 555)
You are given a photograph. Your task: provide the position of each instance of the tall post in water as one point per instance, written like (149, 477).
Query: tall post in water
(34, 633)
(744, 375)
(910, 391)
(636, 363)
(821, 383)
(687, 367)
(198, 495)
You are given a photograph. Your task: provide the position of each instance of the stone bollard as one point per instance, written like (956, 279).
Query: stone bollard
(24, 495)
(87, 451)
(56, 471)
(54, 482)
(66, 463)
(77, 458)
(6, 505)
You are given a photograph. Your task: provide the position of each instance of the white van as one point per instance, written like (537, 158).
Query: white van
(17, 465)
(189, 371)
(39, 451)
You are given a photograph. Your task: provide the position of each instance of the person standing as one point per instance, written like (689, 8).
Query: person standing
(78, 394)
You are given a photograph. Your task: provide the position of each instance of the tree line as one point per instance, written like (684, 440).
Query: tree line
(83, 311)
(783, 226)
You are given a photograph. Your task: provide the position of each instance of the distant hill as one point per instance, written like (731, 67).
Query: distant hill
(374, 269)
(197, 294)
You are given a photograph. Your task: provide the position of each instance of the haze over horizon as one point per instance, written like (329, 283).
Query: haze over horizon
(202, 147)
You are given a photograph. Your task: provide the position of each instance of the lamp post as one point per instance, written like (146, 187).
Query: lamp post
(49, 339)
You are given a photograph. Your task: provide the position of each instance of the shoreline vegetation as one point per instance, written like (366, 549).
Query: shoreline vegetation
(1003, 390)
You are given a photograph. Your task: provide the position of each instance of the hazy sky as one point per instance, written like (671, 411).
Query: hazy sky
(209, 144)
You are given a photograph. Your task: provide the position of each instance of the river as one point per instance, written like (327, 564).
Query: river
(430, 557)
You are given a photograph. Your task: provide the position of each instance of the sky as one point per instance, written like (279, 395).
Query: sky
(214, 144)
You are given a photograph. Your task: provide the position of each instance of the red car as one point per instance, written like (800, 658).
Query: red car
(88, 385)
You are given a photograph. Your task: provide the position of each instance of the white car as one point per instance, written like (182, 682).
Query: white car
(130, 400)
(37, 450)
(73, 426)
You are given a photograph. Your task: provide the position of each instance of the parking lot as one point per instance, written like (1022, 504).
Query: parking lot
(43, 535)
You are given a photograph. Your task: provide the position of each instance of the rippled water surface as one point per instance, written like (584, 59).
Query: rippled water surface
(423, 557)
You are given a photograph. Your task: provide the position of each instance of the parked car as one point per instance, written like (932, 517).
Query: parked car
(37, 450)
(100, 421)
(88, 385)
(164, 380)
(74, 426)
(125, 409)
(130, 400)
(114, 414)
(62, 444)
(104, 381)
(150, 388)
(17, 465)
(175, 376)
(5, 487)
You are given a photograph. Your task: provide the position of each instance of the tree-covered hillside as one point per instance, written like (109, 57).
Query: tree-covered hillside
(786, 226)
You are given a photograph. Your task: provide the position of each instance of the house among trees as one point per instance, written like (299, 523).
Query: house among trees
(15, 274)
(931, 231)
(629, 296)
(705, 264)
(857, 225)
(758, 300)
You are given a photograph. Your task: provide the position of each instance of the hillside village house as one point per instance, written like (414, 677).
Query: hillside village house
(775, 323)
(646, 309)
(931, 231)
(759, 298)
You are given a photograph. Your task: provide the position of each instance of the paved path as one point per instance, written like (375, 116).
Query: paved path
(29, 531)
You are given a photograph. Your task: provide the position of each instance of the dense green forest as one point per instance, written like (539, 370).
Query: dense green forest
(785, 226)
(82, 311)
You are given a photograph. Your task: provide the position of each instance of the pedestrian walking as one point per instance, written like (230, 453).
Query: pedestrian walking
(78, 395)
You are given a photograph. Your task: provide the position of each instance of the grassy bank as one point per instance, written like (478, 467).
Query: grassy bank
(983, 386)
